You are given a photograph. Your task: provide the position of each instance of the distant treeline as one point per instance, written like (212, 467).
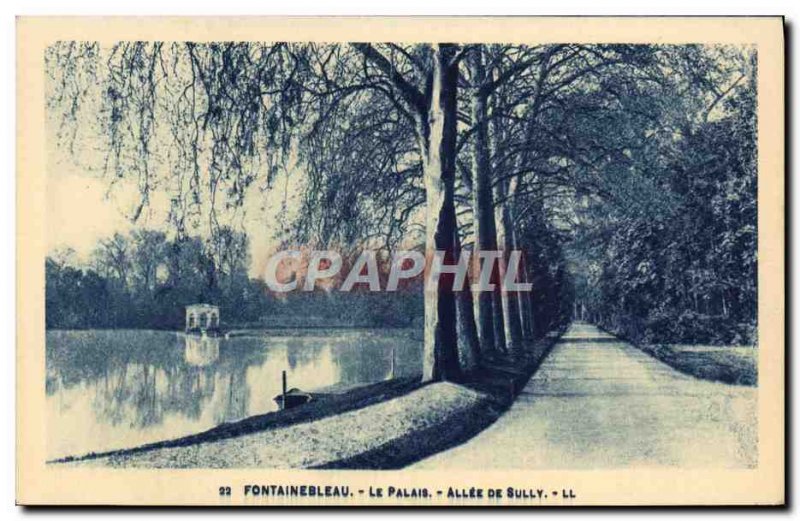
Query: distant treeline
(144, 280)
(670, 255)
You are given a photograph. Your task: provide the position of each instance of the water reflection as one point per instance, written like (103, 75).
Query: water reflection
(200, 351)
(115, 389)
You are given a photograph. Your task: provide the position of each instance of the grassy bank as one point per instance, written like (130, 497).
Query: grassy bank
(731, 365)
(323, 405)
(736, 365)
(499, 379)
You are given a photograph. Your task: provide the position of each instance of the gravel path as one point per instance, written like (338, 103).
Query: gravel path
(597, 402)
(317, 442)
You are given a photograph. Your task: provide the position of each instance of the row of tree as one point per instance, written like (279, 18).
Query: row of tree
(145, 279)
(485, 147)
(668, 253)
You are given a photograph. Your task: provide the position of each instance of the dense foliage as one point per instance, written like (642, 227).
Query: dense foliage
(144, 281)
(626, 173)
(670, 256)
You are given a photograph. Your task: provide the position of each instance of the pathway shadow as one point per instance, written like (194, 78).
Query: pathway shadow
(590, 340)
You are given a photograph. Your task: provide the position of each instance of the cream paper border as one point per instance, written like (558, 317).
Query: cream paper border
(38, 484)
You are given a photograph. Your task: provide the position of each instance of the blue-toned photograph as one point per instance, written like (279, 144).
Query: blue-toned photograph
(434, 256)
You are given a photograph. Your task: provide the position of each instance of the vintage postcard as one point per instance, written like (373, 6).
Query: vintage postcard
(400, 261)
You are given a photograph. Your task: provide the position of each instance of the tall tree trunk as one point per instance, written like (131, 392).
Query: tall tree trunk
(534, 331)
(497, 318)
(482, 206)
(438, 140)
(724, 305)
(511, 323)
(468, 342)
(524, 297)
(500, 336)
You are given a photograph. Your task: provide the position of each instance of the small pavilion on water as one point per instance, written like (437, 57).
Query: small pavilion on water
(202, 317)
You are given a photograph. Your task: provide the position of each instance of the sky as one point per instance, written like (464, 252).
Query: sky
(84, 207)
(80, 212)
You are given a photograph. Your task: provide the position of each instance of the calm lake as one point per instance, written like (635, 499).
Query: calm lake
(111, 389)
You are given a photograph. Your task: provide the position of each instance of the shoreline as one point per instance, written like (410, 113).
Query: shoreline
(323, 405)
(428, 423)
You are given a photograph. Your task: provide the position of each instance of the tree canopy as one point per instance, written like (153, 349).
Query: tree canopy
(625, 173)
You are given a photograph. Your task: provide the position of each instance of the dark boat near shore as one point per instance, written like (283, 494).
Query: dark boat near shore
(294, 397)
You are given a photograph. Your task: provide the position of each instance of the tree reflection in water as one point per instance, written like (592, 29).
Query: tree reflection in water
(117, 388)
